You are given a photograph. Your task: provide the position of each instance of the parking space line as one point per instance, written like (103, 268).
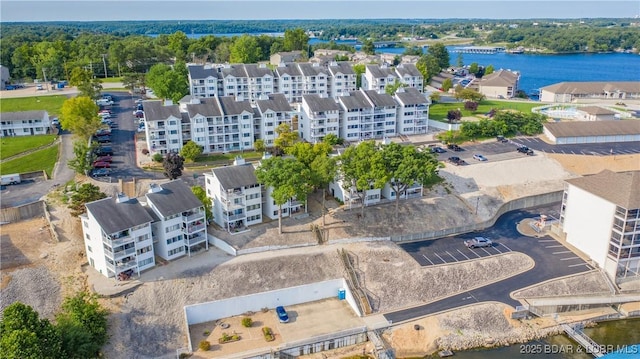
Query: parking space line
(569, 258)
(558, 246)
(436, 254)
(496, 248)
(463, 254)
(487, 252)
(474, 252)
(509, 249)
(577, 265)
(427, 258)
(563, 252)
(454, 258)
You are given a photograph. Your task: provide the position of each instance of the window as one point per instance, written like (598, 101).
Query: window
(174, 239)
(145, 262)
(87, 236)
(144, 250)
(172, 228)
(172, 123)
(86, 224)
(176, 251)
(89, 249)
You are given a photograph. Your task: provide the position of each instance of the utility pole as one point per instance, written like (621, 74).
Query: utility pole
(44, 74)
(105, 65)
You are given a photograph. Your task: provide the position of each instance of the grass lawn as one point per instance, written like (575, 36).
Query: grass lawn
(111, 79)
(439, 111)
(248, 155)
(51, 104)
(14, 145)
(37, 161)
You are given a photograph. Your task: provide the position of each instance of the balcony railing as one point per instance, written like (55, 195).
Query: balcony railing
(231, 195)
(195, 239)
(120, 267)
(195, 228)
(192, 216)
(123, 253)
(115, 241)
(234, 217)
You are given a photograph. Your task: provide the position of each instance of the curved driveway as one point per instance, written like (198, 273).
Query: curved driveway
(552, 260)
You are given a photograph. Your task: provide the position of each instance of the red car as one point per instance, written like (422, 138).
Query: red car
(104, 159)
(101, 164)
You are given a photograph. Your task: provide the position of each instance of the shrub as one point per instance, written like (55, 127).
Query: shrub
(157, 157)
(206, 332)
(268, 334)
(185, 355)
(204, 345)
(145, 151)
(470, 105)
(247, 322)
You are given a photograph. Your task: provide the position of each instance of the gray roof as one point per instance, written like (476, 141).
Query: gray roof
(288, 69)
(355, 100)
(255, 70)
(157, 111)
(320, 104)
(593, 128)
(500, 78)
(208, 107)
(114, 217)
(23, 115)
(341, 67)
(622, 189)
(235, 176)
(381, 99)
(175, 197)
(200, 72)
(232, 107)
(307, 69)
(408, 69)
(276, 102)
(185, 118)
(235, 70)
(411, 96)
(596, 110)
(379, 72)
(593, 87)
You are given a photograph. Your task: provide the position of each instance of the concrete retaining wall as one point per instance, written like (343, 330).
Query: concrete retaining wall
(444, 126)
(222, 245)
(20, 213)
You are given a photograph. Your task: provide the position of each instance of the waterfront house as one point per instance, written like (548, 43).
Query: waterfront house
(500, 84)
(573, 91)
(285, 57)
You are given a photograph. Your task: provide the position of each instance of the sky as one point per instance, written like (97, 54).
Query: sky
(108, 10)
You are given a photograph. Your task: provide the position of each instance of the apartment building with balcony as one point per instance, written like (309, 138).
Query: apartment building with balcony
(118, 237)
(236, 196)
(351, 197)
(377, 77)
(24, 123)
(289, 82)
(413, 191)
(357, 112)
(384, 116)
(412, 111)
(600, 216)
(180, 227)
(245, 81)
(410, 76)
(203, 80)
(318, 117)
(273, 111)
(163, 126)
(315, 78)
(342, 78)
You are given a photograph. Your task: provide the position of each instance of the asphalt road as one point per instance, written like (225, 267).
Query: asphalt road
(552, 260)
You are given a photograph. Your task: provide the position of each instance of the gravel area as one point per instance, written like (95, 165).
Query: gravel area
(35, 287)
(581, 284)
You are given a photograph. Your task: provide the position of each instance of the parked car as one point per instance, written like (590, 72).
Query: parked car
(104, 159)
(283, 317)
(100, 172)
(456, 161)
(478, 242)
(104, 151)
(55, 121)
(139, 101)
(479, 157)
(39, 87)
(438, 149)
(501, 139)
(141, 127)
(139, 107)
(454, 147)
(10, 87)
(526, 150)
(138, 113)
(103, 139)
(101, 164)
(103, 132)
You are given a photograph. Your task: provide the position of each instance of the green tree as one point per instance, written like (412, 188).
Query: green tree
(428, 67)
(359, 69)
(286, 137)
(288, 177)
(434, 96)
(173, 164)
(26, 336)
(295, 39)
(331, 139)
(459, 60)
(405, 166)
(362, 169)
(440, 53)
(80, 116)
(200, 193)
(190, 151)
(84, 312)
(368, 47)
(469, 95)
(245, 50)
(83, 159)
(473, 68)
(85, 82)
(178, 44)
(168, 83)
(447, 84)
(259, 146)
(391, 89)
(84, 194)
(489, 70)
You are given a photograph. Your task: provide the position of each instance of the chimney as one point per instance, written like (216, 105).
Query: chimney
(238, 161)
(154, 188)
(168, 102)
(121, 198)
(194, 101)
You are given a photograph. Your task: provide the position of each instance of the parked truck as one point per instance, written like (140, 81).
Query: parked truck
(10, 179)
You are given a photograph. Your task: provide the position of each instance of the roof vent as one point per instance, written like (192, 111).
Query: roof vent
(168, 102)
(154, 188)
(238, 161)
(121, 198)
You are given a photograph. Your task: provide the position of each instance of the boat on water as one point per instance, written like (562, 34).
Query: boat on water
(445, 353)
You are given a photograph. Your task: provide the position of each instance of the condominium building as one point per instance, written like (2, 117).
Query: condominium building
(246, 81)
(315, 78)
(600, 216)
(413, 111)
(377, 77)
(24, 123)
(236, 196)
(163, 126)
(410, 76)
(203, 80)
(271, 209)
(180, 227)
(273, 112)
(350, 196)
(117, 236)
(289, 82)
(319, 116)
(342, 79)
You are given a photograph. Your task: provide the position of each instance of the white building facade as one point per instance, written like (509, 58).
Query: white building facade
(24, 123)
(319, 116)
(274, 111)
(413, 112)
(163, 127)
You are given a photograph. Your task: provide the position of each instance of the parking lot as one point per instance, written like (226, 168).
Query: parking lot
(458, 253)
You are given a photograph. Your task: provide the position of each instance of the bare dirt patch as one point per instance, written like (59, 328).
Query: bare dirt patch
(585, 165)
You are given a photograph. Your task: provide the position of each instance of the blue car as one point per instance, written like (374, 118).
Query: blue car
(282, 314)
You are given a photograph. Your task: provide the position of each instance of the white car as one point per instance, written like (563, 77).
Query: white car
(55, 121)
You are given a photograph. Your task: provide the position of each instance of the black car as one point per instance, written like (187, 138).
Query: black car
(104, 151)
(502, 139)
(454, 147)
(456, 161)
(103, 139)
(526, 150)
(438, 150)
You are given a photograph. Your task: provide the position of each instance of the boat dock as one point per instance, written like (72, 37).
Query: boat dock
(590, 346)
(479, 49)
